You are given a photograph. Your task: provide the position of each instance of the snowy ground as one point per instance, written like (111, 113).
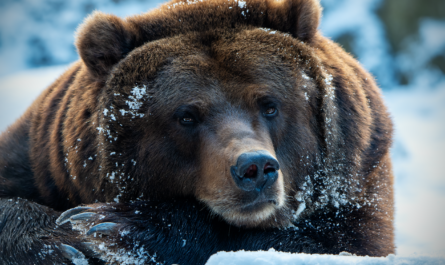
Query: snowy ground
(418, 155)
(19, 90)
(41, 32)
(273, 257)
(419, 164)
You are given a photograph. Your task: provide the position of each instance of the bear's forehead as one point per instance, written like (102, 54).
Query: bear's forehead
(255, 59)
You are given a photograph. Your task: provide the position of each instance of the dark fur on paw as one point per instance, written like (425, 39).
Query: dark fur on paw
(116, 233)
(29, 234)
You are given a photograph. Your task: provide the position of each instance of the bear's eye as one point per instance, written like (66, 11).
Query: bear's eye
(187, 116)
(187, 120)
(270, 112)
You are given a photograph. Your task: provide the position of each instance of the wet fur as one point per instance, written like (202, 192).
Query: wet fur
(346, 135)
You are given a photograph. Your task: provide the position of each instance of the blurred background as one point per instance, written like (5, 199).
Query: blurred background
(401, 42)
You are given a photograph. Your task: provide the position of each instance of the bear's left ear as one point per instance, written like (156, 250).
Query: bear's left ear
(298, 17)
(102, 41)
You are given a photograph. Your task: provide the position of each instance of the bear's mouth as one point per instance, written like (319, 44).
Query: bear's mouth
(262, 200)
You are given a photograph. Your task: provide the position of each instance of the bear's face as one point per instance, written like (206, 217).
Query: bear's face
(222, 121)
(229, 102)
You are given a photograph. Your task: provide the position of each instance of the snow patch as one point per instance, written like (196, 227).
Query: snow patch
(80, 260)
(241, 4)
(300, 209)
(329, 87)
(138, 255)
(273, 257)
(135, 102)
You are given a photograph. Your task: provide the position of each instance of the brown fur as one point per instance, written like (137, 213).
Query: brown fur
(215, 59)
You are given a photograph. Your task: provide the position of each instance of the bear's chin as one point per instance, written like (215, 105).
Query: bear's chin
(260, 212)
(260, 217)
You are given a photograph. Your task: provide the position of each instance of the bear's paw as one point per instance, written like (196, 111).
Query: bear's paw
(109, 233)
(134, 233)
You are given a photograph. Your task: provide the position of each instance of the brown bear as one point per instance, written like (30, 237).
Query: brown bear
(198, 127)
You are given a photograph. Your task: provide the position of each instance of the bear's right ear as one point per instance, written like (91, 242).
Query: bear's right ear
(102, 41)
(298, 17)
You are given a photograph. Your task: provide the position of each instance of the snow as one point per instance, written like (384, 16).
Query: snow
(300, 209)
(19, 90)
(80, 261)
(273, 257)
(418, 157)
(138, 256)
(34, 33)
(355, 17)
(241, 4)
(134, 103)
(429, 44)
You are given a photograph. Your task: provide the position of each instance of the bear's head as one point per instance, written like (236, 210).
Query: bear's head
(224, 101)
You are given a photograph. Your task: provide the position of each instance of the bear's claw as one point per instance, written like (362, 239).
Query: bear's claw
(83, 216)
(65, 216)
(103, 228)
(71, 253)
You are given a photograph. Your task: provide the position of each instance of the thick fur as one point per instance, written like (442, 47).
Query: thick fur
(109, 130)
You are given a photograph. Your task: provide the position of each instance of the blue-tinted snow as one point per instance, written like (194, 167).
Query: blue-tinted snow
(37, 33)
(273, 257)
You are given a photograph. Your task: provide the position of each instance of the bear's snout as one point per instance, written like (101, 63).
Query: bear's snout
(255, 171)
(241, 178)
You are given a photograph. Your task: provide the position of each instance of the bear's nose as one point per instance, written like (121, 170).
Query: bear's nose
(255, 171)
